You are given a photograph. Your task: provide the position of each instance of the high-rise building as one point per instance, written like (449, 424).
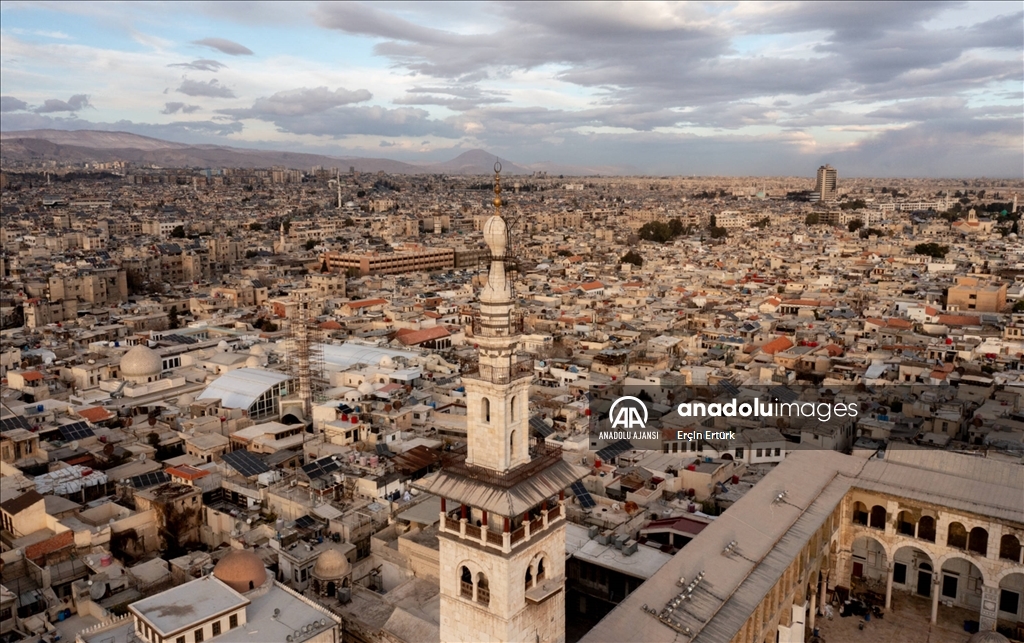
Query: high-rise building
(826, 186)
(502, 546)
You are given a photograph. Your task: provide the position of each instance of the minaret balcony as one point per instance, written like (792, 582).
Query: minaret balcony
(518, 368)
(505, 541)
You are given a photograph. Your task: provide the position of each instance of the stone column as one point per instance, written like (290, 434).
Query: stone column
(888, 585)
(814, 607)
(989, 608)
(824, 589)
(936, 576)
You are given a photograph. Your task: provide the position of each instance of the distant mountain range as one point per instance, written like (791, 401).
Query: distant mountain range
(79, 146)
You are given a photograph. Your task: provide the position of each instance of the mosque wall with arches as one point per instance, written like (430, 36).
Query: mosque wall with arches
(966, 559)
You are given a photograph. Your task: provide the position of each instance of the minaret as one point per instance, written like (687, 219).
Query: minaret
(502, 527)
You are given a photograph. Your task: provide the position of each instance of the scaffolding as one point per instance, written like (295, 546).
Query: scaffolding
(306, 357)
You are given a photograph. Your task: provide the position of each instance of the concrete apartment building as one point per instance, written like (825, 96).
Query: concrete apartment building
(973, 293)
(390, 263)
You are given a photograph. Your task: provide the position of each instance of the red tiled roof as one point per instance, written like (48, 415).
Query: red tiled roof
(95, 414)
(777, 345)
(592, 285)
(187, 472)
(423, 335)
(32, 376)
(366, 302)
(330, 324)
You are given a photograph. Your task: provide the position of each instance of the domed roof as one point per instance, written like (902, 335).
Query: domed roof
(241, 570)
(257, 349)
(141, 361)
(253, 362)
(331, 564)
(366, 388)
(988, 637)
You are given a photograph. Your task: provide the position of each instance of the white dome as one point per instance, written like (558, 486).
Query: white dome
(257, 349)
(496, 235)
(366, 388)
(253, 362)
(185, 399)
(331, 565)
(386, 361)
(141, 361)
(222, 345)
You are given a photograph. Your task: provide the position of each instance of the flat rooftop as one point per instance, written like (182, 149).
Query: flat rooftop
(185, 605)
(642, 564)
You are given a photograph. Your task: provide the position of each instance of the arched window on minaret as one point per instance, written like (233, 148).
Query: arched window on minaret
(512, 445)
(485, 406)
(512, 409)
(529, 577)
(540, 570)
(466, 583)
(483, 590)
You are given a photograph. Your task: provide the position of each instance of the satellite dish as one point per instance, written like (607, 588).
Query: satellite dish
(97, 591)
(74, 445)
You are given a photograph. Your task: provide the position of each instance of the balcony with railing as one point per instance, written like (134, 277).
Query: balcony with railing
(519, 367)
(532, 526)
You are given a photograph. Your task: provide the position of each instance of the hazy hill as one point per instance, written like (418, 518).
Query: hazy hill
(79, 146)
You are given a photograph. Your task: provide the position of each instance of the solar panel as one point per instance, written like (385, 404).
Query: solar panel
(304, 522)
(384, 451)
(581, 493)
(75, 431)
(783, 394)
(729, 388)
(614, 449)
(150, 479)
(320, 467)
(14, 422)
(539, 428)
(245, 463)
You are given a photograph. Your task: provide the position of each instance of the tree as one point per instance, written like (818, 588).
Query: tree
(931, 250)
(256, 227)
(172, 318)
(719, 233)
(812, 219)
(855, 225)
(310, 244)
(153, 438)
(1019, 306)
(352, 273)
(178, 232)
(632, 257)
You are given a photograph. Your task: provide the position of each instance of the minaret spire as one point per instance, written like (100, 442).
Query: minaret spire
(496, 305)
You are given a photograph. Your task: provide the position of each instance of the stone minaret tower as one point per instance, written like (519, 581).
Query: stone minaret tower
(502, 529)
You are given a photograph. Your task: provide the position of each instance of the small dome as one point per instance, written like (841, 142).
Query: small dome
(253, 362)
(496, 235)
(185, 399)
(222, 346)
(331, 565)
(141, 361)
(386, 361)
(366, 388)
(258, 350)
(988, 637)
(241, 570)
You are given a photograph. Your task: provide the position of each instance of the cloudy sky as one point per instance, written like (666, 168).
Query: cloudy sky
(876, 89)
